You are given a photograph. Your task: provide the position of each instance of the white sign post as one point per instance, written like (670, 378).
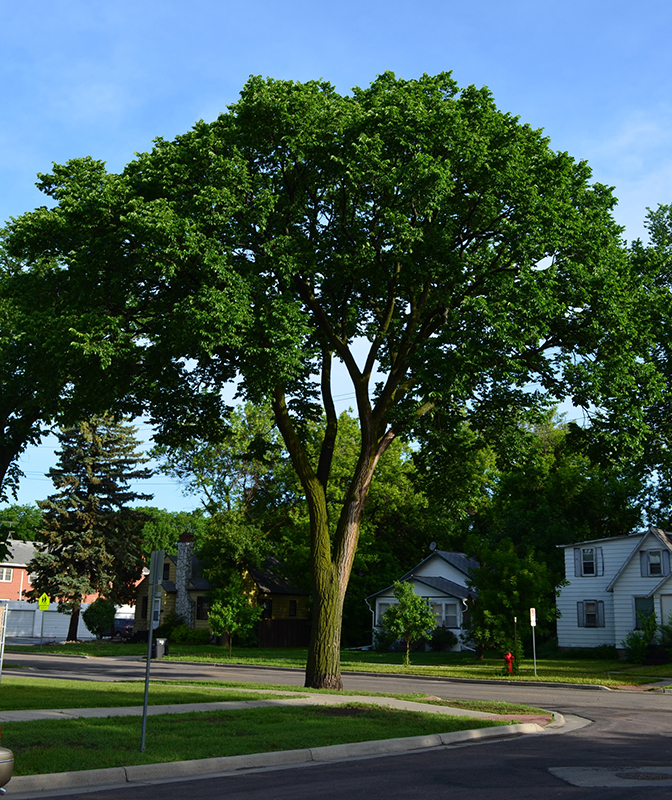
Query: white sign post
(533, 623)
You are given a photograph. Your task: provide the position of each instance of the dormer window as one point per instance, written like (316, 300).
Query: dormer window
(654, 563)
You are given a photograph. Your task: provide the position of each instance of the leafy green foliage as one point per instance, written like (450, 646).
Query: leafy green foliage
(99, 617)
(91, 538)
(410, 618)
(232, 612)
(507, 584)
(24, 521)
(636, 642)
(412, 218)
(162, 529)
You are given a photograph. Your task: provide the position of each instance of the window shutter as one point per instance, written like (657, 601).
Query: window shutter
(577, 562)
(643, 563)
(600, 613)
(580, 620)
(599, 558)
(666, 562)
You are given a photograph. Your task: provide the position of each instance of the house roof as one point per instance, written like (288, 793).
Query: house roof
(443, 585)
(662, 536)
(269, 581)
(266, 578)
(458, 560)
(603, 539)
(20, 552)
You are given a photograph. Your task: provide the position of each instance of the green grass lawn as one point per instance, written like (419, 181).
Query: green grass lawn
(61, 745)
(450, 665)
(29, 693)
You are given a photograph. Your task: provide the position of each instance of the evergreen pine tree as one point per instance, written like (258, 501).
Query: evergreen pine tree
(91, 539)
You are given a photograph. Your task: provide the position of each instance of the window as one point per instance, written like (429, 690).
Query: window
(292, 608)
(590, 614)
(6, 574)
(382, 608)
(445, 613)
(166, 571)
(643, 609)
(654, 563)
(450, 615)
(588, 562)
(202, 608)
(143, 610)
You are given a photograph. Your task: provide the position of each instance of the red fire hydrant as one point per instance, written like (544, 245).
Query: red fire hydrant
(508, 659)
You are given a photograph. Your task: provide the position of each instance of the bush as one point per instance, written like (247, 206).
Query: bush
(383, 640)
(165, 630)
(99, 617)
(442, 639)
(183, 634)
(637, 642)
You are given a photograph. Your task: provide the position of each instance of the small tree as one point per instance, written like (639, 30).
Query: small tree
(99, 617)
(233, 613)
(410, 618)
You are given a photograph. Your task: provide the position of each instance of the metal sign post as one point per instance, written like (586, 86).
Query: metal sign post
(533, 623)
(43, 605)
(155, 579)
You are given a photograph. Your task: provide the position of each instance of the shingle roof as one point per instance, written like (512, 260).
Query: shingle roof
(20, 552)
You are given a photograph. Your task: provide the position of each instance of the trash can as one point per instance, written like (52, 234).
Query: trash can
(6, 767)
(159, 648)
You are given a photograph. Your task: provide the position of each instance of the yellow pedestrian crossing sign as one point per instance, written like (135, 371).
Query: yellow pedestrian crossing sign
(43, 602)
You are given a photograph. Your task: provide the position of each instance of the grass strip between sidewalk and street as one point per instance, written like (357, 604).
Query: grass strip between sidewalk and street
(47, 746)
(556, 669)
(23, 694)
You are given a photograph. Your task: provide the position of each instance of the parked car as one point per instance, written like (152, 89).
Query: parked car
(123, 626)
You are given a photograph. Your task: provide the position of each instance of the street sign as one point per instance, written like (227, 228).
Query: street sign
(43, 602)
(533, 617)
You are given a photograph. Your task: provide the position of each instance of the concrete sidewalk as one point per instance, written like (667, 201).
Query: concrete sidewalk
(68, 783)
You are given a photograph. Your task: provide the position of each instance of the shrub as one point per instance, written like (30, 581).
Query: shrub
(183, 634)
(637, 642)
(165, 630)
(383, 640)
(442, 639)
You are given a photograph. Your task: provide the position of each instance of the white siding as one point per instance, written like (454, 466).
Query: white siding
(593, 587)
(630, 584)
(438, 568)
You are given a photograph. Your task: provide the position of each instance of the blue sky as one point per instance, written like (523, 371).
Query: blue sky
(81, 78)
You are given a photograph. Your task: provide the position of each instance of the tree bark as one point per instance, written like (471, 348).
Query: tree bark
(323, 668)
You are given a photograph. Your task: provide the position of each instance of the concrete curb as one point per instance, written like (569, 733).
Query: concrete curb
(213, 767)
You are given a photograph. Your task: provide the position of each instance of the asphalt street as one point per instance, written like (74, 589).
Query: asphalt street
(626, 752)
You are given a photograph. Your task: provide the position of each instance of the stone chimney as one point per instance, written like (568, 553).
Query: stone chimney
(184, 605)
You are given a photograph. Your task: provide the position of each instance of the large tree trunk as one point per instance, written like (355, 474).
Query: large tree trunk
(331, 561)
(74, 624)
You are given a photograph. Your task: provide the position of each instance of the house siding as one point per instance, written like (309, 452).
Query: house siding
(594, 587)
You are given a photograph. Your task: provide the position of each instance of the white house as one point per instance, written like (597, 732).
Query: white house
(442, 579)
(611, 581)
